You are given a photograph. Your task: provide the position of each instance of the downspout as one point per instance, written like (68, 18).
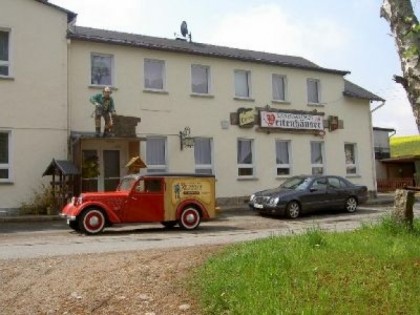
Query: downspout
(373, 164)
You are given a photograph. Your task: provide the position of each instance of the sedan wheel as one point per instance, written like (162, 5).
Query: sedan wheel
(190, 219)
(92, 221)
(351, 205)
(293, 210)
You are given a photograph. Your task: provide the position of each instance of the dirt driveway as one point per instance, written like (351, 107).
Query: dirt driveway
(133, 282)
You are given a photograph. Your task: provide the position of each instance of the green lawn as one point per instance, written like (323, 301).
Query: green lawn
(373, 270)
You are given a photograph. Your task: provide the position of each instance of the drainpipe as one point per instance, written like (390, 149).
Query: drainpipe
(377, 107)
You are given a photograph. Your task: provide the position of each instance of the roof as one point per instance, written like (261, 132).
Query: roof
(65, 168)
(384, 129)
(353, 90)
(187, 47)
(70, 15)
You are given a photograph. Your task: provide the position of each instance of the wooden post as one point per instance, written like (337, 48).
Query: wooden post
(403, 207)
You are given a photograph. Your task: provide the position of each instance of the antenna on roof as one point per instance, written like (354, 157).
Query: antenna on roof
(184, 31)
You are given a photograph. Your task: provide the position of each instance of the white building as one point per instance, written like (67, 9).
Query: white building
(256, 118)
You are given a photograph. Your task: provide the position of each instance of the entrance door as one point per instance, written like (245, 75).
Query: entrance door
(111, 169)
(100, 170)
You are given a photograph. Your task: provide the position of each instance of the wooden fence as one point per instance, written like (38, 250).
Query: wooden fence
(385, 185)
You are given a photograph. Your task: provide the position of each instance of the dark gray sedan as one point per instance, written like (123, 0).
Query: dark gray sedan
(309, 193)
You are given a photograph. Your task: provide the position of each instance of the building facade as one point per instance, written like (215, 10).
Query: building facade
(253, 119)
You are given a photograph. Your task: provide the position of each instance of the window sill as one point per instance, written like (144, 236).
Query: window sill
(246, 99)
(316, 104)
(155, 91)
(353, 176)
(101, 87)
(281, 102)
(202, 95)
(6, 182)
(3, 77)
(240, 178)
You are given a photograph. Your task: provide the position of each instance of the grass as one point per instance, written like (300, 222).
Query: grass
(373, 270)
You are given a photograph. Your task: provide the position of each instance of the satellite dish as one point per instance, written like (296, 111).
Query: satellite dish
(184, 29)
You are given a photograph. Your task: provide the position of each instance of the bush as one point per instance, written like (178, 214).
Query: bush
(42, 202)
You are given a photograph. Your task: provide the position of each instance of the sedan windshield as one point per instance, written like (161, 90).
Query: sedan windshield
(296, 183)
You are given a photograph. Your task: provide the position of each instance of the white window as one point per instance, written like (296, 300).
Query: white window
(279, 87)
(156, 154)
(314, 91)
(282, 157)
(242, 83)
(245, 157)
(200, 78)
(350, 151)
(4, 53)
(102, 67)
(5, 153)
(317, 157)
(154, 74)
(203, 155)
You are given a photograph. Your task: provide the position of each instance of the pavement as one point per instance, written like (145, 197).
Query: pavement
(383, 199)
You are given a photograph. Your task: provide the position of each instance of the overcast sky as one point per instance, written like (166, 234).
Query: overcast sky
(345, 35)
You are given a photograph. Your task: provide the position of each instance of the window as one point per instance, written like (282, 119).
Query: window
(313, 91)
(5, 152)
(203, 155)
(279, 87)
(242, 83)
(200, 78)
(282, 158)
(102, 67)
(4, 53)
(245, 157)
(350, 154)
(317, 159)
(156, 155)
(154, 74)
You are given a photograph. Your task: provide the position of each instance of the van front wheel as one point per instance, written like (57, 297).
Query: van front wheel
(190, 218)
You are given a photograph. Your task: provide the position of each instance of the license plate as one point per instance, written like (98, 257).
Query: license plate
(258, 206)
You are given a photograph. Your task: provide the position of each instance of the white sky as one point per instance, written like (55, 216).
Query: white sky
(345, 35)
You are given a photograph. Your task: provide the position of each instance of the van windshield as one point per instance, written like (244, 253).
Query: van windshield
(126, 184)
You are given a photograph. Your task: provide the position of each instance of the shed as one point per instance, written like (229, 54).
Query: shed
(62, 189)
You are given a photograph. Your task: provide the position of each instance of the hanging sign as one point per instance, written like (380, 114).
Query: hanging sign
(285, 120)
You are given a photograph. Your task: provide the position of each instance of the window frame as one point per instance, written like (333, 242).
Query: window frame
(284, 87)
(208, 78)
(317, 85)
(283, 165)
(199, 167)
(321, 165)
(246, 166)
(248, 82)
(162, 74)
(7, 63)
(354, 164)
(157, 168)
(111, 65)
(8, 166)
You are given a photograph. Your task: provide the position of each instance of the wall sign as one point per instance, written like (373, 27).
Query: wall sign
(246, 117)
(284, 120)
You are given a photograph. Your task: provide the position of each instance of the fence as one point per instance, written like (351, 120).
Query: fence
(384, 185)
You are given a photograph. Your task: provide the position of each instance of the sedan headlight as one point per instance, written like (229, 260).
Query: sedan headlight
(252, 198)
(274, 201)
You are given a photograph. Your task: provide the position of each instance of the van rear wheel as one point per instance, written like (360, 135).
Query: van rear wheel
(190, 218)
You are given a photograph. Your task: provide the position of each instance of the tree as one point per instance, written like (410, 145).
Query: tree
(406, 31)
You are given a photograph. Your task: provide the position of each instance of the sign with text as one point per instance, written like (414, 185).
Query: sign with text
(285, 120)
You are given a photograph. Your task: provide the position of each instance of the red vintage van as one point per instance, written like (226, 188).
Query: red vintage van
(171, 199)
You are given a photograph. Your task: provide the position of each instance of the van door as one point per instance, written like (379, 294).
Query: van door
(146, 201)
